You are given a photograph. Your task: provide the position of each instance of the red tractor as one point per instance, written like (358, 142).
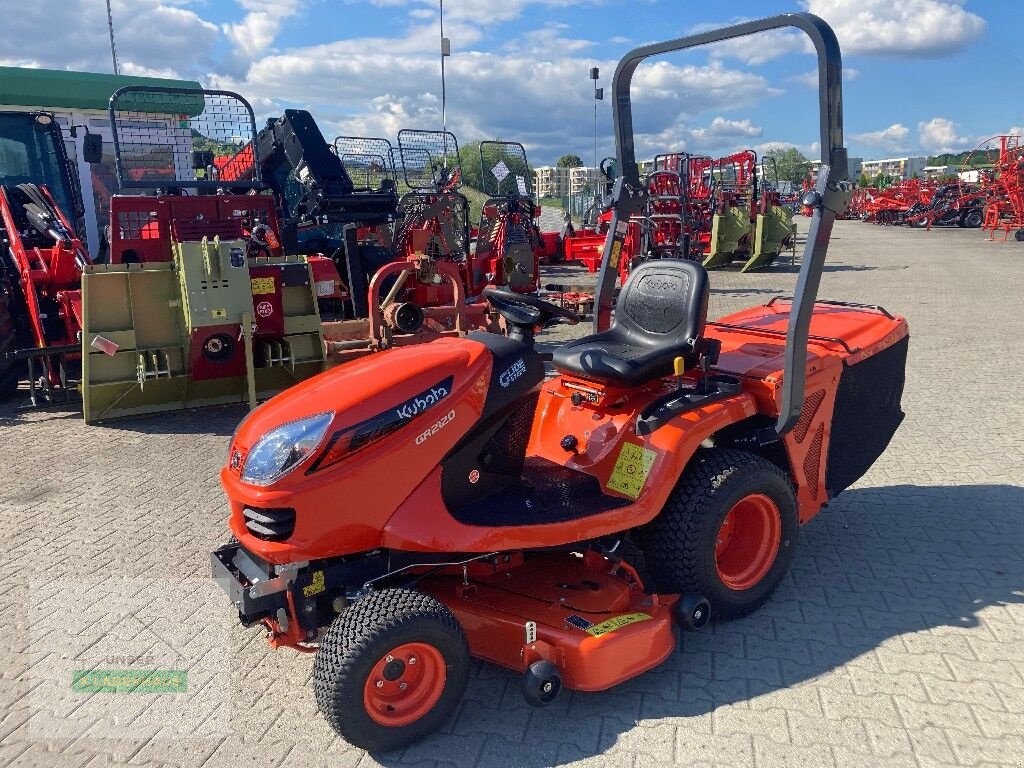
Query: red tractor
(706, 443)
(41, 254)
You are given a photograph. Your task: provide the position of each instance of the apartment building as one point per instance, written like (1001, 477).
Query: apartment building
(897, 167)
(552, 181)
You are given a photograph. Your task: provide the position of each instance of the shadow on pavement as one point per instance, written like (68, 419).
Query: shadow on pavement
(878, 563)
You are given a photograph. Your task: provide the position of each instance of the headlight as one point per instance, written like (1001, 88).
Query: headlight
(281, 450)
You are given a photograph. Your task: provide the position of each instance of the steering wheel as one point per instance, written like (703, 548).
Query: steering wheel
(524, 312)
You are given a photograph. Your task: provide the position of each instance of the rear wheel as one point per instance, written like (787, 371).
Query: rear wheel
(728, 532)
(390, 669)
(972, 218)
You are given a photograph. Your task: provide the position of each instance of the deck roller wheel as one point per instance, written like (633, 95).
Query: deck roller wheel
(692, 612)
(541, 683)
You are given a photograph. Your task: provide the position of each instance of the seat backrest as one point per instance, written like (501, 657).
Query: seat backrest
(664, 302)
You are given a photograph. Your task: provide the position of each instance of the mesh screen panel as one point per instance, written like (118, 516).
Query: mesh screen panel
(430, 159)
(160, 134)
(368, 160)
(504, 171)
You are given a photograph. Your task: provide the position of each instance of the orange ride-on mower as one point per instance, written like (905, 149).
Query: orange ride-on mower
(422, 506)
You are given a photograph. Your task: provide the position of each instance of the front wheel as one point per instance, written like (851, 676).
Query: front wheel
(728, 532)
(390, 669)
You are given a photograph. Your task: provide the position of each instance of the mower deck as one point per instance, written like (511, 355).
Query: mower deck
(588, 617)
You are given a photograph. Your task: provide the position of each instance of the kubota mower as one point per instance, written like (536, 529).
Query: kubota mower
(420, 506)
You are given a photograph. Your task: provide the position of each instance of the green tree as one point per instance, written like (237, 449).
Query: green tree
(476, 170)
(790, 162)
(863, 181)
(570, 161)
(469, 162)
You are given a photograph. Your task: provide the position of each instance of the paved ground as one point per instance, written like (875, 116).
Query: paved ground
(898, 638)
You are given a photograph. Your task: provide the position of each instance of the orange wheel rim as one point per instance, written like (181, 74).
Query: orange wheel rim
(748, 542)
(404, 684)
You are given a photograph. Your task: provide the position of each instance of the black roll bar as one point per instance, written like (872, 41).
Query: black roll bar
(830, 196)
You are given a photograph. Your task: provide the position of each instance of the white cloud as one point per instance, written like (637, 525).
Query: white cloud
(256, 32)
(720, 127)
(940, 135)
(536, 90)
(892, 139)
(899, 27)
(756, 49)
(165, 36)
(874, 27)
(810, 78)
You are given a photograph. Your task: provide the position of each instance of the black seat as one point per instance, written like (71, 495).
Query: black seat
(659, 316)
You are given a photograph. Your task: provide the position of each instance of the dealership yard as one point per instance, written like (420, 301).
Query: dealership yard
(897, 638)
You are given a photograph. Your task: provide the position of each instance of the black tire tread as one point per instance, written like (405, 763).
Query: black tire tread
(349, 638)
(672, 541)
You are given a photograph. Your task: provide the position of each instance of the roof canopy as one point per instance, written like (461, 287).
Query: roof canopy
(61, 89)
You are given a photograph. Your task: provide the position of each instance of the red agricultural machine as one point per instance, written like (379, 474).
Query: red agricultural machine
(1005, 208)
(508, 244)
(41, 255)
(889, 206)
(199, 303)
(707, 444)
(680, 206)
(949, 205)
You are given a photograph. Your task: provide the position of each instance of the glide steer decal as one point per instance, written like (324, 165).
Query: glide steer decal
(518, 369)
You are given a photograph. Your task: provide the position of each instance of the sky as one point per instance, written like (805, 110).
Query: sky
(920, 76)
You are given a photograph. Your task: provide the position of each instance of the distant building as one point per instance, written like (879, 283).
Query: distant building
(853, 167)
(552, 181)
(939, 171)
(897, 167)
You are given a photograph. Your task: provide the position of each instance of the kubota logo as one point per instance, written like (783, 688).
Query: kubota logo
(424, 400)
(436, 427)
(518, 369)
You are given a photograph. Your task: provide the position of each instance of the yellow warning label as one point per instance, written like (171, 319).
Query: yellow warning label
(316, 586)
(616, 249)
(219, 314)
(262, 285)
(631, 469)
(617, 623)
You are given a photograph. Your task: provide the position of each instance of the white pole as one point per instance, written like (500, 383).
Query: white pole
(444, 117)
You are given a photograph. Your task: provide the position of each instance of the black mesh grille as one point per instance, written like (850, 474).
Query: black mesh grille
(430, 159)
(866, 416)
(269, 524)
(180, 138)
(505, 450)
(656, 302)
